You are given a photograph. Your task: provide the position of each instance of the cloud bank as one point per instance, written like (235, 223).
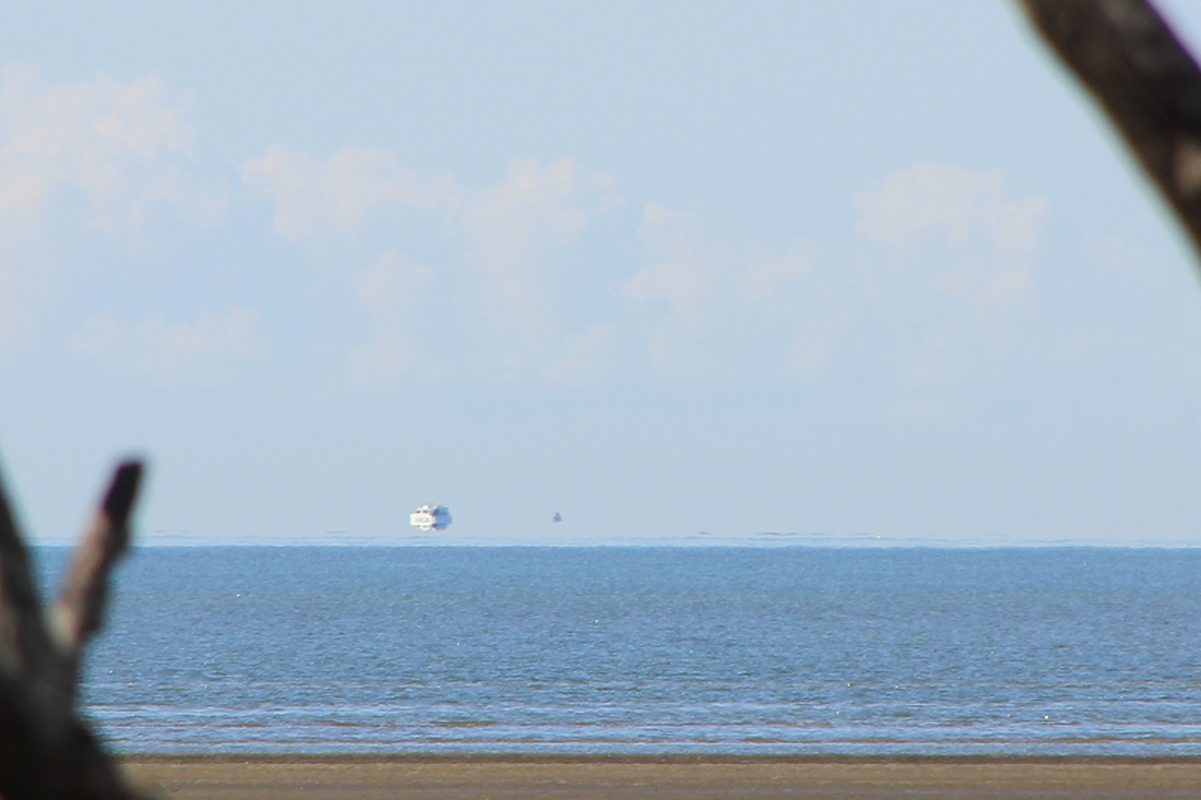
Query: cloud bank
(204, 351)
(102, 157)
(503, 282)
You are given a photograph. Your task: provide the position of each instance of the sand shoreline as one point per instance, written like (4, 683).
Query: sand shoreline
(434, 775)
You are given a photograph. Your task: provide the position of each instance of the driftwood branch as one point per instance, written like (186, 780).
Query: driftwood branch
(1146, 81)
(47, 751)
(81, 599)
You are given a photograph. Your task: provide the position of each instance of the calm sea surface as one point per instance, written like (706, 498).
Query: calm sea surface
(651, 650)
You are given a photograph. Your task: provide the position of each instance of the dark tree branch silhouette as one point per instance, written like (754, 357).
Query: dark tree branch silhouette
(46, 750)
(1147, 82)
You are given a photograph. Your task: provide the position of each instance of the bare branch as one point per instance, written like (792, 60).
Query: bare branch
(46, 751)
(23, 641)
(79, 609)
(1147, 82)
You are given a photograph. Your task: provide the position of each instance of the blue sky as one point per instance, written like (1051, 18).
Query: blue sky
(837, 270)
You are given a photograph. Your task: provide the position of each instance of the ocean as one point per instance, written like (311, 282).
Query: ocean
(658, 650)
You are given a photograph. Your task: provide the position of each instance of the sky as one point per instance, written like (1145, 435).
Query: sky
(680, 271)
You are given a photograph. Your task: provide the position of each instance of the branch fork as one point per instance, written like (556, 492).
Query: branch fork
(47, 751)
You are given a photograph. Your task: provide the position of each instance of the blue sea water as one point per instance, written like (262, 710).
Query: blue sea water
(791, 650)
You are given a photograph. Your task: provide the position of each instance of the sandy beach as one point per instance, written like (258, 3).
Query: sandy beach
(430, 777)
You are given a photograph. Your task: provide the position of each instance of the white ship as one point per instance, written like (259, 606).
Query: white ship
(430, 518)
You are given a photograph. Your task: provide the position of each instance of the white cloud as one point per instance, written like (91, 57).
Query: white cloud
(382, 361)
(704, 300)
(766, 272)
(957, 281)
(954, 279)
(953, 286)
(681, 272)
(502, 252)
(514, 232)
(816, 340)
(124, 147)
(314, 198)
(584, 357)
(393, 285)
(955, 201)
(102, 155)
(205, 351)
(392, 291)
(963, 212)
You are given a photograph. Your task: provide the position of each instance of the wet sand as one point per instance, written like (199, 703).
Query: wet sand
(592, 778)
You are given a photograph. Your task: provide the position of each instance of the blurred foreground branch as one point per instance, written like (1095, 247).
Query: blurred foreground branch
(46, 750)
(1147, 82)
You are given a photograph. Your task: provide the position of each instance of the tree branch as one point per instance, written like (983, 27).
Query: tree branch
(1147, 82)
(47, 752)
(79, 609)
(23, 641)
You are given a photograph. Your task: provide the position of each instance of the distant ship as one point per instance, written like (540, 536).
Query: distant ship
(430, 518)
(557, 517)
